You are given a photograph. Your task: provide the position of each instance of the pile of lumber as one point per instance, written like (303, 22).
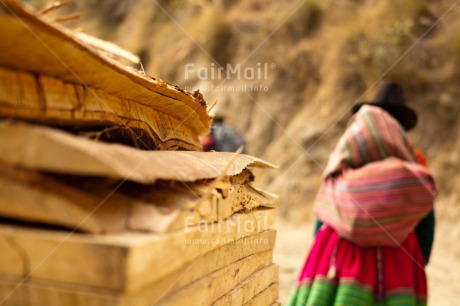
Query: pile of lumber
(105, 195)
(71, 83)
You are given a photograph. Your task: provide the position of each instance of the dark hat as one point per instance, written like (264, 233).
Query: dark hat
(390, 97)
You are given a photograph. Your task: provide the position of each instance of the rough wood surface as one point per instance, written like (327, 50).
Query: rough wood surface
(212, 287)
(215, 260)
(80, 71)
(110, 48)
(40, 292)
(52, 101)
(44, 294)
(124, 262)
(84, 204)
(254, 285)
(48, 149)
(267, 297)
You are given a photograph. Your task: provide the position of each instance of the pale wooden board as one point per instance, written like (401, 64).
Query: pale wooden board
(200, 241)
(29, 294)
(108, 47)
(40, 292)
(54, 203)
(124, 262)
(212, 287)
(32, 196)
(47, 149)
(26, 37)
(52, 101)
(215, 260)
(267, 297)
(250, 288)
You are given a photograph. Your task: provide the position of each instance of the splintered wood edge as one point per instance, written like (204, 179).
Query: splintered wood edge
(34, 99)
(34, 196)
(194, 101)
(111, 160)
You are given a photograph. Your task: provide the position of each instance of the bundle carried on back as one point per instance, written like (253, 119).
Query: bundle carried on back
(105, 195)
(375, 191)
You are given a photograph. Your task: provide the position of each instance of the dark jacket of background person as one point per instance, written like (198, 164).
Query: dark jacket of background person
(223, 138)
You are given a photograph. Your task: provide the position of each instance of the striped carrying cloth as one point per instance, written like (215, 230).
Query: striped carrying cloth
(372, 135)
(382, 201)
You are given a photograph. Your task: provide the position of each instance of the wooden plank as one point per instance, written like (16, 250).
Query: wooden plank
(212, 261)
(30, 37)
(55, 102)
(201, 240)
(108, 47)
(57, 94)
(11, 95)
(267, 297)
(251, 287)
(12, 259)
(28, 197)
(212, 287)
(124, 262)
(32, 294)
(30, 94)
(72, 202)
(39, 292)
(47, 149)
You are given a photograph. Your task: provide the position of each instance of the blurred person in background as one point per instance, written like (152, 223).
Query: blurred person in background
(223, 137)
(339, 271)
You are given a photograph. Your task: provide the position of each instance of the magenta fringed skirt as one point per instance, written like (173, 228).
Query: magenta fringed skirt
(338, 272)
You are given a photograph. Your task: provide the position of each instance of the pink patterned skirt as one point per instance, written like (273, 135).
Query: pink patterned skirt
(338, 272)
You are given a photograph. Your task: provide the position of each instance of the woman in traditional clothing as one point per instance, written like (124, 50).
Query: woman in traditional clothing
(365, 253)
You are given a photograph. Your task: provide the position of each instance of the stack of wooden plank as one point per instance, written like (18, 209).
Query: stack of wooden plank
(72, 83)
(130, 222)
